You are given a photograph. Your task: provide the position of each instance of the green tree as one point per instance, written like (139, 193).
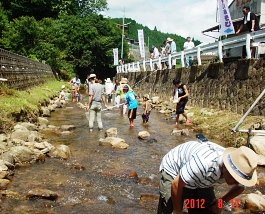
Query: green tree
(40, 9)
(21, 36)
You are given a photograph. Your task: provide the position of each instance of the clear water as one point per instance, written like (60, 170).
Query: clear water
(79, 181)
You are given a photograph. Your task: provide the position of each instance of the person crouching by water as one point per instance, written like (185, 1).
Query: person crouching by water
(189, 171)
(147, 109)
(180, 96)
(132, 102)
(96, 97)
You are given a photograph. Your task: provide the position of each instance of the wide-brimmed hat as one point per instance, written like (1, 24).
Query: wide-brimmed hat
(124, 81)
(169, 39)
(92, 76)
(241, 163)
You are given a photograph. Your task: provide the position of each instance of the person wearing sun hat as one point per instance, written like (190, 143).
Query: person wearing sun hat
(122, 94)
(190, 171)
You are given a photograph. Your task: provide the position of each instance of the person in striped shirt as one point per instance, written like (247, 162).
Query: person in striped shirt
(190, 170)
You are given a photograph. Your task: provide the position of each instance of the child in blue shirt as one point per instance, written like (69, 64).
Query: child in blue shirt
(132, 103)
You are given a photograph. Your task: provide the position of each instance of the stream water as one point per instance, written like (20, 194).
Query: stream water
(79, 181)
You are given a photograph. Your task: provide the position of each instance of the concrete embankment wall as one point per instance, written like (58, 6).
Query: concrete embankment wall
(21, 72)
(225, 86)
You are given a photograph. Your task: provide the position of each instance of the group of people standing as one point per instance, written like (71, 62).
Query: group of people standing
(119, 95)
(170, 47)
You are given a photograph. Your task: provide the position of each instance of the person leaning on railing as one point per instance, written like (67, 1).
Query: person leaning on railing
(252, 23)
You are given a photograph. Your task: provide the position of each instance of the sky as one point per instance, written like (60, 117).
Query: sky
(181, 17)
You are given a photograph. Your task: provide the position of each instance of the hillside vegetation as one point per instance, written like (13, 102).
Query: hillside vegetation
(71, 36)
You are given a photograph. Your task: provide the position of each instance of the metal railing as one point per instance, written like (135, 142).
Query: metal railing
(216, 47)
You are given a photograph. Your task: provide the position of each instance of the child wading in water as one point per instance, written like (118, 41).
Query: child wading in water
(147, 109)
(132, 102)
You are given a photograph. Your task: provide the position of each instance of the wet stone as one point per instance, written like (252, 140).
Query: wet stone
(121, 173)
(43, 194)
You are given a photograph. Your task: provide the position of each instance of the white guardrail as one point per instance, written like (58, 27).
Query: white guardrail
(218, 47)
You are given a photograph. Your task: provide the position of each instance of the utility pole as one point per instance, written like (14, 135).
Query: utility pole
(122, 36)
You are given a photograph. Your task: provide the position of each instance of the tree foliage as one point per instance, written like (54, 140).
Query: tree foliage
(40, 9)
(69, 35)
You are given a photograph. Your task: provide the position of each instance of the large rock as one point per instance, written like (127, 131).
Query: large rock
(62, 151)
(29, 126)
(143, 134)
(4, 183)
(43, 194)
(20, 134)
(23, 154)
(115, 142)
(112, 132)
(43, 121)
(258, 143)
(255, 202)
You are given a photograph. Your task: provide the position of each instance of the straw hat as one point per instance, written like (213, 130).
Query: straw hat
(92, 76)
(241, 163)
(169, 39)
(124, 81)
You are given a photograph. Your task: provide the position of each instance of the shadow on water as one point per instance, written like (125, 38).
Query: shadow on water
(79, 181)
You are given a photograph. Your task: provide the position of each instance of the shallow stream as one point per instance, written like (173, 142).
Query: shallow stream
(79, 181)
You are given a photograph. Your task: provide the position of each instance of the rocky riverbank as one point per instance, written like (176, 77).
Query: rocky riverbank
(25, 145)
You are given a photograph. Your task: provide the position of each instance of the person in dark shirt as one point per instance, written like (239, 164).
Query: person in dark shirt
(250, 20)
(252, 23)
(180, 96)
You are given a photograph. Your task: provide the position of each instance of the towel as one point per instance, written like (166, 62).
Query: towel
(247, 18)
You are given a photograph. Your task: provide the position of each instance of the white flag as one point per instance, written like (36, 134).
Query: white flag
(115, 55)
(141, 42)
(227, 26)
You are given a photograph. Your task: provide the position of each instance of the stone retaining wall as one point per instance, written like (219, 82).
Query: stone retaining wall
(225, 86)
(21, 72)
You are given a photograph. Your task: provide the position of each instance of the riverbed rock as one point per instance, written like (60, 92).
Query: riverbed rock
(115, 142)
(23, 154)
(147, 198)
(19, 127)
(4, 183)
(3, 174)
(143, 134)
(29, 126)
(20, 134)
(111, 132)
(255, 202)
(34, 136)
(68, 127)
(258, 143)
(3, 138)
(43, 121)
(61, 151)
(121, 173)
(8, 159)
(176, 132)
(46, 112)
(42, 193)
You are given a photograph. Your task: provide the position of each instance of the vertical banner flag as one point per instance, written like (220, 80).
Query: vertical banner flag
(141, 42)
(115, 55)
(227, 26)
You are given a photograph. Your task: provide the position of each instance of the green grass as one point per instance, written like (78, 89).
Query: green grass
(219, 126)
(16, 106)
